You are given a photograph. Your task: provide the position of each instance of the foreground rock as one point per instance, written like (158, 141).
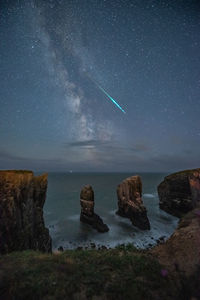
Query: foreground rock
(87, 210)
(180, 254)
(130, 204)
(180, 192)
(22, 197)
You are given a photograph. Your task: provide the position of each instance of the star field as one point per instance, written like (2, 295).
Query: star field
(145, 54)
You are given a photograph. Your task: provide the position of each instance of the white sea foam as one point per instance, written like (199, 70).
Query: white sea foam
(74, 218)
(117, 236)
(148, 195)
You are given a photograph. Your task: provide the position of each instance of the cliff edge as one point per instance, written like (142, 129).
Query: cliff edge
(22, 197)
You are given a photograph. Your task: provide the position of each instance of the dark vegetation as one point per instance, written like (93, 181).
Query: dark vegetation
(120, 273)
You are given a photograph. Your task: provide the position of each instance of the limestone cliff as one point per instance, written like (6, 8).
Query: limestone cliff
(180, 192)
(130, 204)
(22, 197)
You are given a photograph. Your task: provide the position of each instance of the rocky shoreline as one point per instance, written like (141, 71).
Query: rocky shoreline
(97, 246)
(25, 195)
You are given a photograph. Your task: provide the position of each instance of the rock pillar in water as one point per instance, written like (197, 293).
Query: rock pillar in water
(22, 197)
(87, 210)
(130, 204)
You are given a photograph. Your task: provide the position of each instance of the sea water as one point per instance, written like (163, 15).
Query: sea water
(62, 211)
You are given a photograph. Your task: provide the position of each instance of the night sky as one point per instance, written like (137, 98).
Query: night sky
(144, 53)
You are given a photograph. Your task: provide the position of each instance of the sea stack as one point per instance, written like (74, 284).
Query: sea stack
(87, 210)
(180, 192)
(130, 204)
(22, 197)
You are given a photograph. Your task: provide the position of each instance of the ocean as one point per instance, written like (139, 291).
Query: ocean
(62, 211)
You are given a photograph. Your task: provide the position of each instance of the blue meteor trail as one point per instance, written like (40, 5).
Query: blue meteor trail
(115, 102)
(110, 98)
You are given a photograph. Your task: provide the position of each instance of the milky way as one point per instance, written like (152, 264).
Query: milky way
(145, 53)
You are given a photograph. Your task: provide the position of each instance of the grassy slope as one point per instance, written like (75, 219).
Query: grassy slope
(121, 273)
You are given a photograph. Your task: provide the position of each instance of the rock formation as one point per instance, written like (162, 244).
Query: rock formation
(181, 251)
(87, 210)
(22, 197)
(130, 204)
(180, 192)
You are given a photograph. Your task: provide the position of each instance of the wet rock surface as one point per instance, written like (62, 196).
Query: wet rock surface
(130, 204)
(179, 193)
(87, 210)
(22, 197)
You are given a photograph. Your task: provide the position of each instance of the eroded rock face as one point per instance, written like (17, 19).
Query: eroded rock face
(87, 210)
(181, 251)
(22, 197)
(130, 204)
(180, 192)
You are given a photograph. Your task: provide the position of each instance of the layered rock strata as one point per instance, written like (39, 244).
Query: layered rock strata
(130, 204)
(87, 210)
(180, 192)
(22, 197)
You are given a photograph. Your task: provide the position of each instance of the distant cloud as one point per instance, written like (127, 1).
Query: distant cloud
(5, 155)
(87, 143)
(92, 155)
(107, 155)
(175, 162)
(9, 160)
(110, 145)
(140, 147)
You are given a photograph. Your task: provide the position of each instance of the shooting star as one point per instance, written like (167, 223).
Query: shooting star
(115, 102)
